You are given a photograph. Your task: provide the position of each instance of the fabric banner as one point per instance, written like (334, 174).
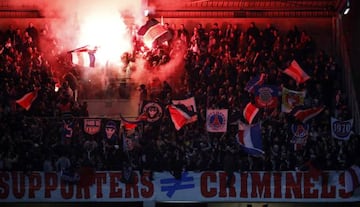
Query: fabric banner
(250, 112)
(341, 129)
(154, 33)
(181, 115)
(189, 103)
(216, 120)
(84, 56)
(266, 96)
(204, 186)
(291, 98)
(249, 137)
(153, 111)
(27, 100)
(255, 81)
(303, 114)
(296, 72)
(300, 132)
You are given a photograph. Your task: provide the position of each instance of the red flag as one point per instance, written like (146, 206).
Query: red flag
(181, 116)
(250, 112)
(130, 125)
(27, 100)
(304, 115)
(296, 72)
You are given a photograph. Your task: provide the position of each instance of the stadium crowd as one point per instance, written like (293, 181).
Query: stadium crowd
(219, 62)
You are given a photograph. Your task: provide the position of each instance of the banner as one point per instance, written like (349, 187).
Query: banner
(204, 186)
(83, 56)
(180, 115)
(291, 98)
(266, 96)
(296, 72)
(249, 137)
(189, 103)
(27, 100)
(250, 112)
(154, 33)
(153, 111)
(341, 129)
(216, 120)
(300, 132)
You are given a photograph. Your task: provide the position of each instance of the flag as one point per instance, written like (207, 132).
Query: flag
(130, 125)
(296, 72)
(189, 103)
(300, 132)
(153, 111)
(352, 178)
(256, 81)
(181, 115)
(27, 100)
(291, 98)
(84, 56)
(341, 129)
(216, 120)
(154, 33)
(304, 114)
(266, 96)
(92, 126)
(249, 137)
(250, 112)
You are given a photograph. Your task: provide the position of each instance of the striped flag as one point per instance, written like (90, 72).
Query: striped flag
(296, 72)
(154, 33)
(250, 112)
(27, 100)
(83, 56)
(180, 115)
(304, 114)
(249, 137)
(256, 81)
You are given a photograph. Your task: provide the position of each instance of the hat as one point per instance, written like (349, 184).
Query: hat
(110, 124)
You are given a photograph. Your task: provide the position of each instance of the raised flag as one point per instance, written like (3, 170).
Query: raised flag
(352, 178)
(304, 114)
(300, 132)
(27, 100)
(83, 56)
(341, 129)
(255, 81)
(216, 120)
(266, 96)
(250, 112)
(296, 72)
(249, 137)
(154, 33)
(130, 125)
(181, 115)
(291, 98)
(189, 103)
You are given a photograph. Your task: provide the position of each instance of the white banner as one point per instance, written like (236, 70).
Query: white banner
(216, 120)
(207, 186)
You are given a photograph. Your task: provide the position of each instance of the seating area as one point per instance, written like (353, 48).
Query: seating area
(218, 65)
